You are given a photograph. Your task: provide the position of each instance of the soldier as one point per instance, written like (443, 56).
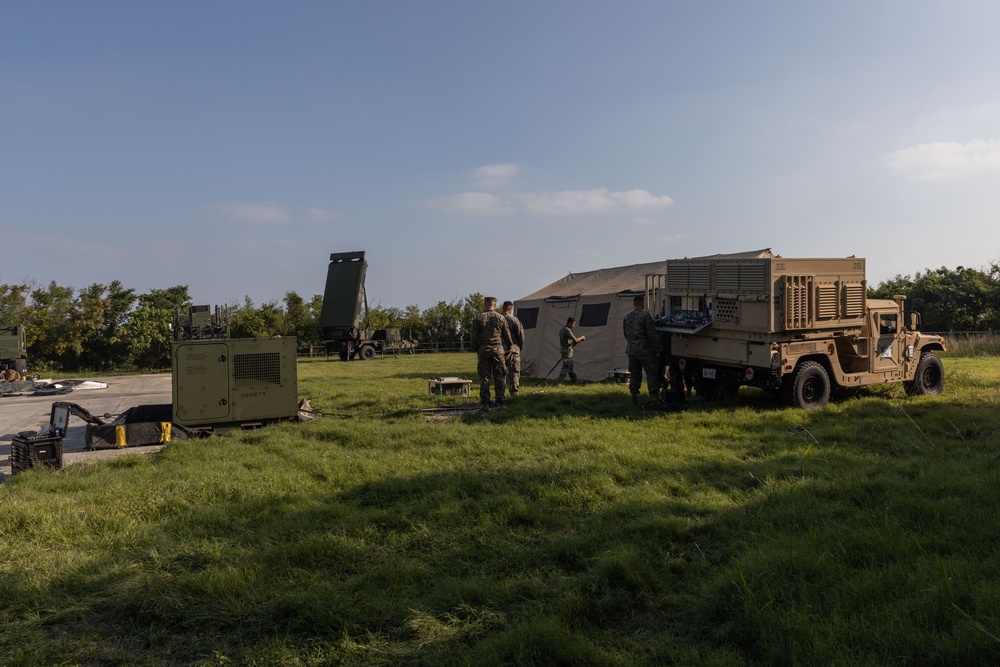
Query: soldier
(643, 348)
(490, 336)
(567, 341)
(513, 356)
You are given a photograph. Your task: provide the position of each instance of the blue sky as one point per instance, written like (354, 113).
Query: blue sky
(488, 146)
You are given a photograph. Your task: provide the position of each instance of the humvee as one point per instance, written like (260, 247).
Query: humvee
(794, 327)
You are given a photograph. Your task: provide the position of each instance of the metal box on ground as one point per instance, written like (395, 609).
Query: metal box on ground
(450, 386)
(618, 376)
(136, 427)
(234, 383)
(35, 451)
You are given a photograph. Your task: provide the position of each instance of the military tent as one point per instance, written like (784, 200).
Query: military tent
(599, 300)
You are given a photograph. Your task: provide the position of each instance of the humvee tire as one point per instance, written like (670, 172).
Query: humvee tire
(808, 387)
(929, 380)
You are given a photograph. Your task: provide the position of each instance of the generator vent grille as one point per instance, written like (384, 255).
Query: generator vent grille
(252, 369)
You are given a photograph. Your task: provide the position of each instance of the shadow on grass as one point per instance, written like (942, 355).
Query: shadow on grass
(805, 544)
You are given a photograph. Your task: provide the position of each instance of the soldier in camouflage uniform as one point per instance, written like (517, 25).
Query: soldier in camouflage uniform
(490, 336)
(567, 341)
(643, 347)
(513, 353)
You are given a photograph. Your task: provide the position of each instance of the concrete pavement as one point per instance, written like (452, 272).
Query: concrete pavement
(30, 413)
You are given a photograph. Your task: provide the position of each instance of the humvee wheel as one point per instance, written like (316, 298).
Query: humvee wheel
(929, 380)
(367, 352)
(809, 387)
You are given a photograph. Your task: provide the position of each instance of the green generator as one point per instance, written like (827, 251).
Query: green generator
(234, 383)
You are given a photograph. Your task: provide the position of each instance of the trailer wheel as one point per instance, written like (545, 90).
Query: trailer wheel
(809, 387)
(367, 352)
(929, 380)
(344, 356)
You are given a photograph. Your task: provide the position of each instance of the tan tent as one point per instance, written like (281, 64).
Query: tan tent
(599, 300)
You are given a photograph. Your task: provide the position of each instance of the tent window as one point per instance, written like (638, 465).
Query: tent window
(595, 314)
(528, 317)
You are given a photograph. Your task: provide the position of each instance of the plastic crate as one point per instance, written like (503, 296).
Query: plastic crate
(35, 451)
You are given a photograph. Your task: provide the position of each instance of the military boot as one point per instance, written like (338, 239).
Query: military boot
(635, 399)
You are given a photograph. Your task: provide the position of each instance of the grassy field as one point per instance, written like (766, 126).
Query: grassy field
(571, 529)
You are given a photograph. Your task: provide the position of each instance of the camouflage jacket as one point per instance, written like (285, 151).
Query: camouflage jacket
(516, 332)
(490, 332)
(641, 336)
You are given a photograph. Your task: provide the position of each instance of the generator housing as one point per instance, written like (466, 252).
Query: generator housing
(234, 383)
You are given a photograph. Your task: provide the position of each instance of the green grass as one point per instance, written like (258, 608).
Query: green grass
(572, 529)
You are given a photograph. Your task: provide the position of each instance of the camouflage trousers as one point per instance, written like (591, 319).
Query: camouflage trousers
(513, 371)
(637, 363)
(491, 368)
(567, 369)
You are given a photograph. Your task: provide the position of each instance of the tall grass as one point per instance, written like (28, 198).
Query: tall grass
(572, 529)
(979, 345)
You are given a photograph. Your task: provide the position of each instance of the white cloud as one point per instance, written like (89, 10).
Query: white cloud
(562, 202)
(271, 212)
(946, 159)
(599, 200)
(320, 214)
(481, 203)
(494, 175)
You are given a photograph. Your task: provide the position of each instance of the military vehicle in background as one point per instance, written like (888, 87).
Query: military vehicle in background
(200, 323)
(794, 327)
(13, 352)
(344, 322)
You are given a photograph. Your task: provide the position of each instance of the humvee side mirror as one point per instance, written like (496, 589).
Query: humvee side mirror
(914, 321)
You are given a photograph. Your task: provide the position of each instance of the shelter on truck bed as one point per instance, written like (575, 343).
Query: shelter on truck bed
(599, 300)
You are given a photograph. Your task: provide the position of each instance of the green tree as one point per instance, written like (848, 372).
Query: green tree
(13, 303)
(52, 332)
(252, 322)
(102, 312)
(963, 299)
(472, 306)
(302, 320)
(147, 330)
(444, 322)
(386, 318)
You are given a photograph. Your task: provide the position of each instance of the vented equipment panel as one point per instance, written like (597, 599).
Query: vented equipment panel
(252, 369)
(684, 277)
(740, 278)
(727, 310)
(797, 290)
(826, 301)
(854, 300)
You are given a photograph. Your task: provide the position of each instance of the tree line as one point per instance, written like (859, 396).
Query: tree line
(962, 299)
(111, 327)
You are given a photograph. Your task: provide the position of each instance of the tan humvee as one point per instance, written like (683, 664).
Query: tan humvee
(795, 327)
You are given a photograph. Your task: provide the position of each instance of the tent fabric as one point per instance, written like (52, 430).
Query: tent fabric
(599, 300)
